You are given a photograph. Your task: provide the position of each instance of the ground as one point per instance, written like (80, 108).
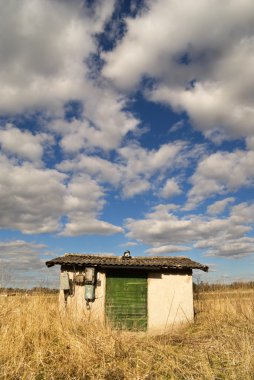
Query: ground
(38, 343)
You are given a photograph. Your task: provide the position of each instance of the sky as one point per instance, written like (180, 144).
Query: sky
(126, 125)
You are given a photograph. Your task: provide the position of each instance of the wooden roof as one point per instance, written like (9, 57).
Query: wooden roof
(141, 262)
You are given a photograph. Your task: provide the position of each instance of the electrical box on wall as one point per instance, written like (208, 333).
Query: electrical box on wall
(89, 292)
(89, 275)
(64, 281)
(79, 279)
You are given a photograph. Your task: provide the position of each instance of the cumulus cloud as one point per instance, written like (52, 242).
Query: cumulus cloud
(135, 186)
(199, 63)
(129, 244)
(31, 198)
(47, 61)
(243, 213)
(144, 160)
(220, 173)
(34, 200)
(231, 248)
(83, 225)
(167, 249)
(83, 201)
(141, 164)
(212, 107)
(170, 189)
(163, 230)
(187, 26)
(103, 124)
(19, 253)
(133, 167)
(200, 70)
(219, 206)
(104, 170)
(250, 143)
(22, 263)
(43, 48)
(23, 144)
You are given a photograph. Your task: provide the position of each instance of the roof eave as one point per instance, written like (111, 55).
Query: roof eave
(143, 267)
(49, 264)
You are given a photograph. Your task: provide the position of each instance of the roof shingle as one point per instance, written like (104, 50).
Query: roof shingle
(104, 261)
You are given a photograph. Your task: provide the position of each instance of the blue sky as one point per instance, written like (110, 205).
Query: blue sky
(126, 125)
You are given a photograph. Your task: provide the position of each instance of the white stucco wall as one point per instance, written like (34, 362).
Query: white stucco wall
(170, 300)
(76, 302)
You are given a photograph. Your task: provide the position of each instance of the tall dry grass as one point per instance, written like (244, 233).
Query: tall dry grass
(37, 343)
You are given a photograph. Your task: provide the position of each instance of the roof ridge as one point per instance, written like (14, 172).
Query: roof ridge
(90, 254)
(117, 256)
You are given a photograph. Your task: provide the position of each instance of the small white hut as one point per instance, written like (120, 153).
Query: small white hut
(136, 293)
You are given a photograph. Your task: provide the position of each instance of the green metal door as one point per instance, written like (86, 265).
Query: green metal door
(126, 300)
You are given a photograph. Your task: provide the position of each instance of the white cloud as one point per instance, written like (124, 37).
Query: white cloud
(129, 244)
(221, 173)
(219, 206)
(107, 110)
(23, 143)
(83, 195)
(79, 225)
(83, 202)
(212, 107)
(133, 167)
(30, 198)
(164, 230)
(33, 200)
(203, 63)
(167, 249)
(142, 160)
(21, 254)
(176, 126)
(186, 24)
(243, 212)
(250, 143)
(103, 123)
(43, 48)
(134, 187)
(141, 164)
(46, 61)
(17, 257)
(104, 170)
(232, 248)
(44, 65)
(170, 189)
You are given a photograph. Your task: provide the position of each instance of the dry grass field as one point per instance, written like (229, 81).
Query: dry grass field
(36, 343)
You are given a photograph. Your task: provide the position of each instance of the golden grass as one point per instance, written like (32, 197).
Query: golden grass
(36, 343)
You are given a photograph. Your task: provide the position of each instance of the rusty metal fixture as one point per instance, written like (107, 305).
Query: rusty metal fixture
(79, 279)
(126, 255)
